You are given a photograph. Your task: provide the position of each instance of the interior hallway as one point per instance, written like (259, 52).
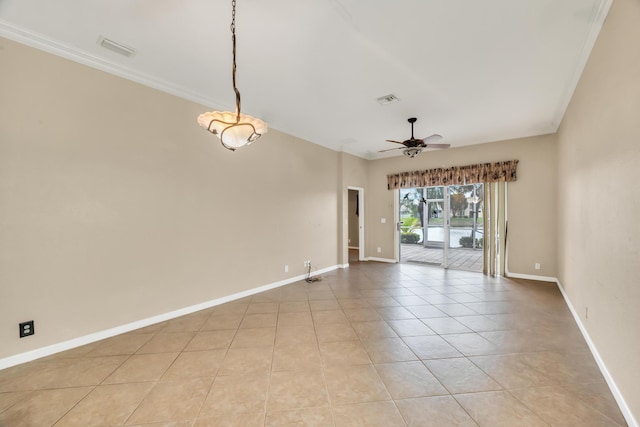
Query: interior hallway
(374, 344)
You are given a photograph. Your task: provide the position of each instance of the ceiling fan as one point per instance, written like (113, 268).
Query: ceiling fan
(413, 146)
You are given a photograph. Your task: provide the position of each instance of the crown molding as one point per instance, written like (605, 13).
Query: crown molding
(41, 42)
(599, 13)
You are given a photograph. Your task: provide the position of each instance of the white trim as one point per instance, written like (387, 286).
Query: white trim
(530, 277)
(446, 226)
(396, 224)
(38, 41)
(28, 356)
(600, 13)
(361, 213)
(391, 261)
(622, 404)
(343, 265)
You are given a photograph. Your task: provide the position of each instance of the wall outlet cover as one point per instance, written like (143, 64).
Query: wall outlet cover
(27, 328)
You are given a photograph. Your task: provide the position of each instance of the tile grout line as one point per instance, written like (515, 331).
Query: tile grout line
(372, 363)
(226, 351)
(322, 364)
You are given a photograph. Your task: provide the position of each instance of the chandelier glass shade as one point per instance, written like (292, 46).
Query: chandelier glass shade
(234, 130)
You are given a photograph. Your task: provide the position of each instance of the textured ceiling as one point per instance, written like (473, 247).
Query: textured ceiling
(471, 71)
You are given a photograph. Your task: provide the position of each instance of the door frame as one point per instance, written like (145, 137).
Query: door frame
(396, 221)
(446, 238)
(361, 245)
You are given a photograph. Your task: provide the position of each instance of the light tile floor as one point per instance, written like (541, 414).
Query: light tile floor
(371, 345)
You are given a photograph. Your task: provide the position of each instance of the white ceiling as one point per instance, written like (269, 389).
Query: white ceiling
(471, 71)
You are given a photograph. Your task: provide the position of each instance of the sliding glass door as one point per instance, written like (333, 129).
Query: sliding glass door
(442, 226)
(466, 231)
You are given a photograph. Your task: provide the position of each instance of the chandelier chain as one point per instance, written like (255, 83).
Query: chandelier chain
(233, 71)
(242, 131)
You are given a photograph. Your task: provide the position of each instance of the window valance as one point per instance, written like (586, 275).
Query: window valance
(455, 175)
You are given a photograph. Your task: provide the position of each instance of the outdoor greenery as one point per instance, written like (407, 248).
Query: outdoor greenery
(409, 238)
(467, 242)
(458, 204)
(410, 204)
(410, 223)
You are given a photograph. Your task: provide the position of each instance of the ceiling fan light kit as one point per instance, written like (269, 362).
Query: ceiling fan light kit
(235, 130)
(412, 152)
(414, 146)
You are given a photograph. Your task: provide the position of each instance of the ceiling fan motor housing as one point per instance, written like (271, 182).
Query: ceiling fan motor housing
(414, 146)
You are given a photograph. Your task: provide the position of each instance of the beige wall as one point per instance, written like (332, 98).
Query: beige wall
(531, 199)
(599, 198)
(115, 206)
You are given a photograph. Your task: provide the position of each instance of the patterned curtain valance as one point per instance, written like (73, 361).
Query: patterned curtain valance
(456, 175)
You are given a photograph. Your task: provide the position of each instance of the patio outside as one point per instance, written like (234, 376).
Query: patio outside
(459, 259)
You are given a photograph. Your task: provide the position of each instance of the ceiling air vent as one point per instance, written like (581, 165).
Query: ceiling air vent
(387, 99)
(116, 47)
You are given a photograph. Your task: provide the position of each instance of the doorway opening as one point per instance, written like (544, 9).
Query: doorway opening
(443, 226)
(355, 224)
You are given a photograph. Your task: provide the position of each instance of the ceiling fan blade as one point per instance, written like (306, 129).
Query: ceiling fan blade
(396, 142)
(437, 145)
(433, 138)
(391, 149)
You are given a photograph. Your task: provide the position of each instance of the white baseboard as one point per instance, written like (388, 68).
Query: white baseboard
(531, 277)
(624, 408)
(391, 261)
(108, 333)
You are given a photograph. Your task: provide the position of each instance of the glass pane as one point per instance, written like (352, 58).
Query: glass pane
(410, 216)
(435, 193)
(435, 224)
(466, 227)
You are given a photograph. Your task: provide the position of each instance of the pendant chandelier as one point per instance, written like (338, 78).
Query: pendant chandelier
(235, 130)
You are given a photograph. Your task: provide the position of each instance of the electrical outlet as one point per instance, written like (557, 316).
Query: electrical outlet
(379, 249)
(27, 328)
(286, 268)
(536, 266)
(307, 263)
